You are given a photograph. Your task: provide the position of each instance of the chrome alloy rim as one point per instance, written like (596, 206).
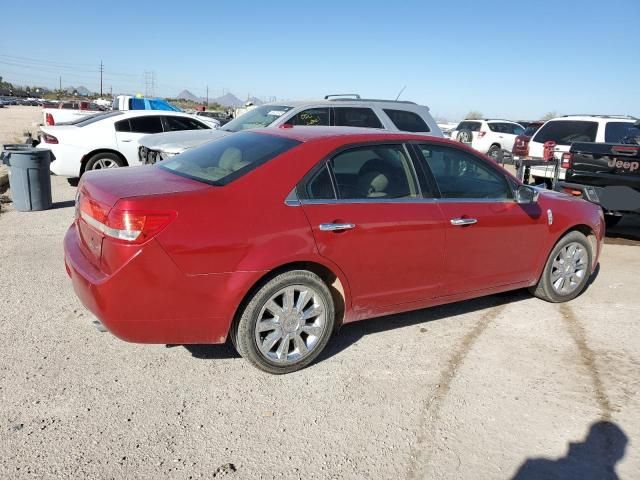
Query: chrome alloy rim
(569, 268)
(104, 163)
(290, 324)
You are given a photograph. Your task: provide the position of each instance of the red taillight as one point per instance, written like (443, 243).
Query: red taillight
(127, 226)
(481, 134)
(49, 119)
(567, 160)
(49, 138)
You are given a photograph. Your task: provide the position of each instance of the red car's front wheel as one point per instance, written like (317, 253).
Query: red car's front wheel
(567, 270)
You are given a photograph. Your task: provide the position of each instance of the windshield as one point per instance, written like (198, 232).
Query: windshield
(258, 117)
(222, 161)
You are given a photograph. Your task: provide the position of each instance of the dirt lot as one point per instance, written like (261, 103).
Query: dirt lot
(14, 122)
(470, 390)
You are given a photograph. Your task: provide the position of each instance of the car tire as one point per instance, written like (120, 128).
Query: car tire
(494, 152)
(464, 136)
(272, 332)
(567, 270)
(612, 220)
(104, 160)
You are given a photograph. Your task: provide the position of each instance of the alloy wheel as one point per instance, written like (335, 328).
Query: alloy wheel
(290, 324)
(104, 163)
(569, 268)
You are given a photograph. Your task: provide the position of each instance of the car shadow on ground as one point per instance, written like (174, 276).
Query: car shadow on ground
(352, 332)
(65, 204)
(594, 458)
(627, 232)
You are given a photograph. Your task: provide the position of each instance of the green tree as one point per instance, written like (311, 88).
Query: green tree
(474, 115)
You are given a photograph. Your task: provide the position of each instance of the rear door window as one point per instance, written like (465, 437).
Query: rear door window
(375, 172)
(311, 117)
(565, 132)
(407, 121)
(355, 117)
(614, 132)
(146, 124)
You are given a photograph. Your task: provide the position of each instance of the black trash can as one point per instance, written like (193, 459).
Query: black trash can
(29, 176)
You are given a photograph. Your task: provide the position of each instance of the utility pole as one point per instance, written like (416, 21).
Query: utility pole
(101, 71)
(207, 102)
(60, 85)
(111, 91)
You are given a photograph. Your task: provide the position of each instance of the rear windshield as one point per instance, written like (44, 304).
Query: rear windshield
(407, 121)
(258, 117)
(88, 120)
(222, 161)
(616, 132)
(565, 132)
(473, 126)
(531, 129)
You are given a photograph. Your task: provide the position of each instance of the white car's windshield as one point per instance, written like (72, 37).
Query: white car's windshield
(258, 117)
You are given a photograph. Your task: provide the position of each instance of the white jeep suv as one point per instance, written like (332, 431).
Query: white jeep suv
(488, 136)
(574, 128)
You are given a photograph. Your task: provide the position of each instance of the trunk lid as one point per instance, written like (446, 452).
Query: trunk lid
(109, 186)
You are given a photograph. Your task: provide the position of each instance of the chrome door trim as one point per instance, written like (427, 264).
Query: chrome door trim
(333, 227)
(461, 222)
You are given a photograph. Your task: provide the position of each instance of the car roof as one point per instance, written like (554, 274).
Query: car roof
(598, 118)
(348, 134)
(143, 113)
(343, 102)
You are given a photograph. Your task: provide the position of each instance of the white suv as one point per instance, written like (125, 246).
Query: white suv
(333, 111)
(574, 128)
(488, 136)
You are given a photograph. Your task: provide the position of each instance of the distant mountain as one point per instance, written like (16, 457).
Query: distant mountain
(228, 100)
(187, 95)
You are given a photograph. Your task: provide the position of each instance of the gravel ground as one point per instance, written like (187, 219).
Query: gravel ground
(470, 390)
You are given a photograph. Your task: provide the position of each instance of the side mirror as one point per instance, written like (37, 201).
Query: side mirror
(526, 195)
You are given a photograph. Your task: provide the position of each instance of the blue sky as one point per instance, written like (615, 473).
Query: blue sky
(504, 58)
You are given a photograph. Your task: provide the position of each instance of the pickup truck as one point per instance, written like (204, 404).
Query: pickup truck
(66, 112)
(607, 174)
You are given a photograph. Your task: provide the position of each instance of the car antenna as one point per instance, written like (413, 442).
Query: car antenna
(400, 92)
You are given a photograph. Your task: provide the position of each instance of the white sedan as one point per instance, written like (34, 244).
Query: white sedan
(108, 140)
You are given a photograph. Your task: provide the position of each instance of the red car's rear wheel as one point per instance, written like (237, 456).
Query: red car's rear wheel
(287, 322)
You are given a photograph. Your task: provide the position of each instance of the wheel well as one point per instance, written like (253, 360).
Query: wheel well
(588, 232)
(328, 277)
(87, 157)
(495, 145)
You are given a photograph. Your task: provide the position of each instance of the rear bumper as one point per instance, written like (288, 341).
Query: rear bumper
(149, 300)
(612, 199)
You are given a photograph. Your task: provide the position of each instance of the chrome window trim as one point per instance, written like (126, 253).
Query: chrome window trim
(401, 201)
(292, 199)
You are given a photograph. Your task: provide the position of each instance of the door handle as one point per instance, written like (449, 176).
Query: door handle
(126, 140)
(461, 222)
(332, 227)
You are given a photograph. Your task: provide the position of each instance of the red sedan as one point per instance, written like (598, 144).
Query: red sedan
(275, 238)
